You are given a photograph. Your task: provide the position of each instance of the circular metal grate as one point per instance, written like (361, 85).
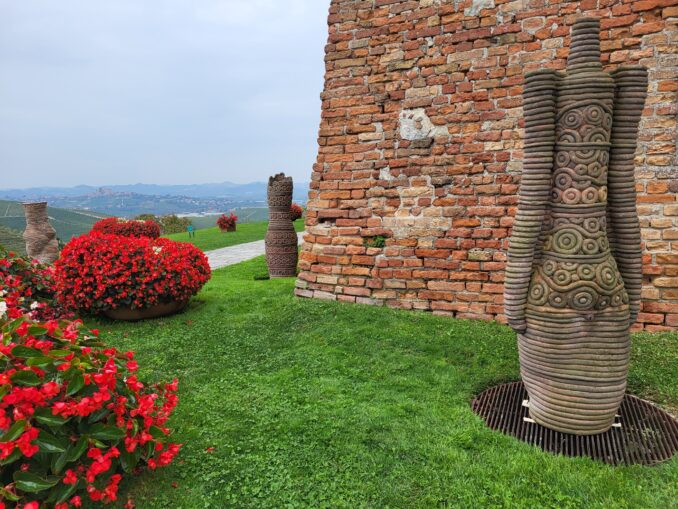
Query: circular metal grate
(643, 434)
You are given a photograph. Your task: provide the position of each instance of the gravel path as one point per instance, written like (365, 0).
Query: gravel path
(235, 254)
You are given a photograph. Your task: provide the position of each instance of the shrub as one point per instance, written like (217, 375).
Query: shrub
(127, 228)
(297, 212)
(98, 272)
(174, 224)
(28, 286)
(225, 222)
(73, 415)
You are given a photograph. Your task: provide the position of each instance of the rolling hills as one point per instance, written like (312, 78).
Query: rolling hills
(68, 223)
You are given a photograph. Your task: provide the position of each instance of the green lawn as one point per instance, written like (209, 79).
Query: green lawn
(213, 238)
(311, 404)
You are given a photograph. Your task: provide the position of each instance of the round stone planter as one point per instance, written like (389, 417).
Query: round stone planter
(229, 229)
(135, 315)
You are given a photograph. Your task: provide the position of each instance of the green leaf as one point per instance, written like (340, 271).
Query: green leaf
(77, 450)
(63, 492)
(50, 444)
(25, 378)
(76, 383)
(156, 433)
(25, 352)
(14, 431)
(31, 483)
(44, 416)
(98, 415)
(36, 330)
(129, 460)
(16, 454)
(60, 353)
(39, 361)
(59, 461)
(7, 495)
(105, 432)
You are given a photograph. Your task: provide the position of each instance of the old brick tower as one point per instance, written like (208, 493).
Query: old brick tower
(415, 186)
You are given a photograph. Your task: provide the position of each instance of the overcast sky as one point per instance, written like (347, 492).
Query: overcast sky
(159, 91)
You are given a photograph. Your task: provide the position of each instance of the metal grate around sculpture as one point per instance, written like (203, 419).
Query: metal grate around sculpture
(281, 238)
(573, 276)
(40, 236)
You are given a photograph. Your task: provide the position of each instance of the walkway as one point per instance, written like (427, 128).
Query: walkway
(239, 253)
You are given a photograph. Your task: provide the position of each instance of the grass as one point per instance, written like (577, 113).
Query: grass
(245, 215)
(289, 403)
(12, 240)
(213, 238)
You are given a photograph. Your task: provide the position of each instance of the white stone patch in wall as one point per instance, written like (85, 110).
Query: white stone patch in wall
(477, 6)
(385, 174)
(416, 125)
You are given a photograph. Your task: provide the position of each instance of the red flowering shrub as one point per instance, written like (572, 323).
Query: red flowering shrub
(29, 286)
(127, 227)
(99, 272)
(297, 211)
(73, 415)
(225, 222)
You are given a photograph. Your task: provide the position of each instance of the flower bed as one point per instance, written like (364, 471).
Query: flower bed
(127, 228)
(74, 417)
(296, 211)
(97, 273)
(227, 223)
(28, 287)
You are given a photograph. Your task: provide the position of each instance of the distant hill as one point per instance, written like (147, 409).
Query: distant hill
(67, 223)
(12, 240)
(132, 200)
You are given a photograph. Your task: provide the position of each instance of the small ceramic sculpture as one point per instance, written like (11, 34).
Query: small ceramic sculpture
(40, 236)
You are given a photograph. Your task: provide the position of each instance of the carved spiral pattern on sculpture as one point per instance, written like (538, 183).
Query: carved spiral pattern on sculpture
(569, 302)
(281, 238)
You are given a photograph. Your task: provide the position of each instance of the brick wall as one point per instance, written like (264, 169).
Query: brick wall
(420, 143)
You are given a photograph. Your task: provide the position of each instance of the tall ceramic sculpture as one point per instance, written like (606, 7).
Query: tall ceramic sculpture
(40, 236)
(573, 277)
(281, 238)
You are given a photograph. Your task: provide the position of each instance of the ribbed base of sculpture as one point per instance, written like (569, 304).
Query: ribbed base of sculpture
(575, 370)
(282, 254)
(643, 433)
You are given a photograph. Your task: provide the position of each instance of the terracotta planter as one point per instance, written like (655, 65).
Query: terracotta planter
(135, 315)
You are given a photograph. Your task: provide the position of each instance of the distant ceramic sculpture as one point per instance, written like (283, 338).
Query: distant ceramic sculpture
(281, 238)
(573, 277)
(40, 236)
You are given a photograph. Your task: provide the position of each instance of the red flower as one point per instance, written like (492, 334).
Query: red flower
(296, 211)
(70, 477)
(225, 222)
(101, 272)
(127, 228)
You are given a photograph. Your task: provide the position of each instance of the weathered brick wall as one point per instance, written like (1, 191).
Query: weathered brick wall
(420, 142)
